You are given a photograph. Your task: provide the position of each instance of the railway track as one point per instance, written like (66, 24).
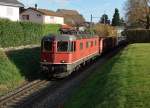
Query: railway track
(50, 94)
(14, 98)
(55, 96)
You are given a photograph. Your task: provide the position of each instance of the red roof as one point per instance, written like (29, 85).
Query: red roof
(65, 26)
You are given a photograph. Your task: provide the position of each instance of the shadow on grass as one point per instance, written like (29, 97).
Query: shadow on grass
(101, 89)
(27, 61)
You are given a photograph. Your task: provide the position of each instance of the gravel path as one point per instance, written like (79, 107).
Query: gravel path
(19, 48)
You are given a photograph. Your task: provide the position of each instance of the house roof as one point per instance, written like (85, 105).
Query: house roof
(75, 19)
(68, 12)
(46, 12)
(72, 17)
(11, 3)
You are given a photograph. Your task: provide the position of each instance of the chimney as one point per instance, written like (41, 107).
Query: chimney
(36, 6)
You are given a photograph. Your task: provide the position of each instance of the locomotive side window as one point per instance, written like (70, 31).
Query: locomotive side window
(72, 46)
(81, 46)
(62, 46)
(95, 42)
(47, 45)
(87, 44)
(65, 46)
(91, 43)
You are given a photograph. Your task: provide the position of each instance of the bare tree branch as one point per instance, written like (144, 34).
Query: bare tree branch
(138, 12)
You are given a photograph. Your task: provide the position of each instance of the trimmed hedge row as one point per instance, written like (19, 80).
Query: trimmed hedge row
(138, 36)
(23, 33)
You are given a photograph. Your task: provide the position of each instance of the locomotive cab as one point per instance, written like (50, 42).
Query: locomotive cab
(56, 54)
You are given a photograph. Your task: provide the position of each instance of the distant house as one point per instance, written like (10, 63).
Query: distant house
(9, 9)
(71, 17)
(120, 29)
(41, 16)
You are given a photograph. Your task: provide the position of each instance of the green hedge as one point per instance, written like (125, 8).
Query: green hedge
(138, 36)
(23, 33)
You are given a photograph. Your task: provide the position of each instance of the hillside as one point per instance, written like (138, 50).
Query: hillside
(18, 66)
(10, 75)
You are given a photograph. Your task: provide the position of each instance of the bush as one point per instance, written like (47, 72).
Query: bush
(104, 30)
(32, 33)
(23, 33)
(11, 33)
(138, 36)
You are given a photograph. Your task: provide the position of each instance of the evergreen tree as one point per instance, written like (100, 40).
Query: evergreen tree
(116, 18)
(104, 19)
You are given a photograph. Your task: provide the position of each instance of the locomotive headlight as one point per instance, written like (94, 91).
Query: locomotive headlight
(62, 61)
(45, 60)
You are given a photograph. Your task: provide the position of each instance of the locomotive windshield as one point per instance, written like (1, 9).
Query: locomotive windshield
(65, 46)
(47, 46)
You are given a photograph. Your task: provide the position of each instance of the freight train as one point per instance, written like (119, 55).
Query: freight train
(65, 53)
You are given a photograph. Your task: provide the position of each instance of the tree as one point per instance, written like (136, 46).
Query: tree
(147, 10)
(122, 22)
(116, 18)
(138, 13)
(104, 19)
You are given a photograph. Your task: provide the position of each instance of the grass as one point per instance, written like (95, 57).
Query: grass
(18, 66)
(123, 82)
(51, 28)
(28, 61)
(9, 74)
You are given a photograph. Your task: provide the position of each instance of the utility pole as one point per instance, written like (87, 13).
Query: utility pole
(91, 18)
(104, 18)
(91, 21)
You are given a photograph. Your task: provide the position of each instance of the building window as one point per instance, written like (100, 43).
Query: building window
(38, 15)
(9, 11)
(25, 17)
(52, 18)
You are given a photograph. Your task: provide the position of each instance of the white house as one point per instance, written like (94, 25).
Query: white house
(42, 16)
(119, 29)
(9, 9)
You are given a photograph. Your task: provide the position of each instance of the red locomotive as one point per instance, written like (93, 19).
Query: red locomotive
(63, 54)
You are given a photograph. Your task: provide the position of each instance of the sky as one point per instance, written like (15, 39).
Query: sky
(84, 7)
